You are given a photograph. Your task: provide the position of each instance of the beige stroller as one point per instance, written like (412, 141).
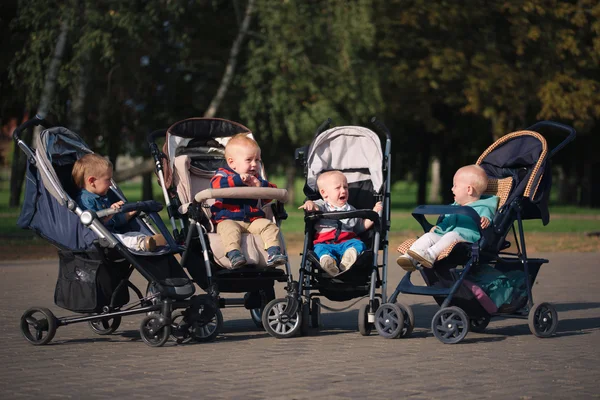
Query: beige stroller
(192, 152)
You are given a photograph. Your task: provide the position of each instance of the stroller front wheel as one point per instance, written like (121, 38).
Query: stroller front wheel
(543, 320)
(278, 323)
(450, 325)
(154, 332)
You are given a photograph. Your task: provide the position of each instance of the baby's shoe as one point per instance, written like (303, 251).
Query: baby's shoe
(328, 264)
(275, 257)
(148, 244)
(406, 262)
(236, 258)
(348, 259)
(159, 240)
(425, 258)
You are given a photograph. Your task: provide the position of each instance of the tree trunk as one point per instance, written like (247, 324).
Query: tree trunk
(50, 83)
(230, 69)
(290, 180)
(434, 188)
(147, 187)
(77, 114)
(423, 170)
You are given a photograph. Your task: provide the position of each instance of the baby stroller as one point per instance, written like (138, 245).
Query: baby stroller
(94, 266)
(357, 152)
(518, 167)
(192, 152)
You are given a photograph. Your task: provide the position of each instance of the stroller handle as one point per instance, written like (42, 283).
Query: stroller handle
(561, 127)
(381, 128)
(247, 192)
(152, 136)
(35, 121)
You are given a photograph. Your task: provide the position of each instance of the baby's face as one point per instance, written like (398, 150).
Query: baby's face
(462, 189)
(245, 160)
(335, 190)
(101, 183)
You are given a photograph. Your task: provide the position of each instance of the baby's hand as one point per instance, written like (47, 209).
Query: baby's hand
(117, 205)
(378, 207)
(250, 180)
(309, 206)
(433, 228)
(485, 222)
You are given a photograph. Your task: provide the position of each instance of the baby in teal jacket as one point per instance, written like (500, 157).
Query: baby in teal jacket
(468, 185)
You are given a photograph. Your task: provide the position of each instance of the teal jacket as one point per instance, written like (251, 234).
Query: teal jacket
(486, 207)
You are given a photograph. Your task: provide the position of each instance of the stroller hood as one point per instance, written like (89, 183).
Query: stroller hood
(351, 149)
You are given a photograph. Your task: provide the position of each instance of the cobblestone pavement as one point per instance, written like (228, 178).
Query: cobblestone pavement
(335, 362)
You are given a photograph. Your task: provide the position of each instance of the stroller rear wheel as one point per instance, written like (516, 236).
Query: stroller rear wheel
(105, 326)
(153, 331)
(38, 329)
(180, 328)
(450, 325)
(543, 320)
(278, 323)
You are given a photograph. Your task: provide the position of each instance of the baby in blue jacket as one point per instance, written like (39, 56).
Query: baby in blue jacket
(468, 185)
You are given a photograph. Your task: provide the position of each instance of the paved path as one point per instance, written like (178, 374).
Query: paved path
(507, 362)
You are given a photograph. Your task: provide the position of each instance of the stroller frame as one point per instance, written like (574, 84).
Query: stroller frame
(292, 315)
(165, 295)
(191, 230)
(451, 323)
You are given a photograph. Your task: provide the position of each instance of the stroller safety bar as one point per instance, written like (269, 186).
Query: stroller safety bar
(145, 206)
(243, 193)
(420, 212)
(338, 215)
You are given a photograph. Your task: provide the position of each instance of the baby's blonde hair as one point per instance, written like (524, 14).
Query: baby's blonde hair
(324, 177)
(89, 165)
(476, 177)
(240, 140)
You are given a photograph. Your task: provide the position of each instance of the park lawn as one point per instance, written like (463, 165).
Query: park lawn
(566, 231)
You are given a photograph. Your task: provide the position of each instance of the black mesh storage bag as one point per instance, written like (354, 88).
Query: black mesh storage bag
(87, 282)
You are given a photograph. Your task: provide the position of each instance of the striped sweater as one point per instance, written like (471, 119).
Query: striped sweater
(246, 210)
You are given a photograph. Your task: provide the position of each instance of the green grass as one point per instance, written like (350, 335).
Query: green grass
(562, 218)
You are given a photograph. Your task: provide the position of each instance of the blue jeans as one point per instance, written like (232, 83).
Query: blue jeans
(336, 250)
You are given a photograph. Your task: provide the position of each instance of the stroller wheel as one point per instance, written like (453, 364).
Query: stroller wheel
(389, 321)
(450, 325)
(315, 312)
(279, 324)
(207, 331)
(266, 296)
(305, 319)
(364, 326)
(543, 320)
(153, 330)
(38, 329)
(479, 324)
(180, 328)
(409, 320)
(105, 326)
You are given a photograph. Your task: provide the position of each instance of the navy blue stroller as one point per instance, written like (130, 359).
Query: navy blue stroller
(95, 267)
(464, 276)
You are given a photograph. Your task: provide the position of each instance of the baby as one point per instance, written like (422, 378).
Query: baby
(468, 185)
(93, 174)
(234, 216)
(337, 247)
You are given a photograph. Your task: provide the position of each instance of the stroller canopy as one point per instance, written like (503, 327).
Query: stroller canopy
(55, 148)
(522, 156)
(355, 150)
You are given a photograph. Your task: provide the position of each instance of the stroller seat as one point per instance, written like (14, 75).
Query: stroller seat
(459, 252)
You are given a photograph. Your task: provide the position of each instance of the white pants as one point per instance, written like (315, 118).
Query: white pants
(433, 244)
(132, 240)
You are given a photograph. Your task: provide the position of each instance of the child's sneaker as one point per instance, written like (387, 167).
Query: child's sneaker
(328, 264)
(275, 257)
(159, 240)
(148, 244)
(406, 262)
(348, 259)
(236, 258)
(424, 259)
